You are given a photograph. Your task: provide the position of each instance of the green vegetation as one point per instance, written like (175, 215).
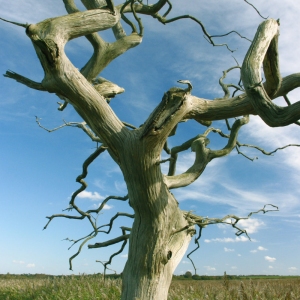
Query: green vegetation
(42, 287)
(90, 287)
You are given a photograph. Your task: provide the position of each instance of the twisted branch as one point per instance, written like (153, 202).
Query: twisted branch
(81, 125)
(232, 220)
(203, 155)
(255, 9)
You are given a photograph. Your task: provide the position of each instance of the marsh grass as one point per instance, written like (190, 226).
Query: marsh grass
(61, 288)
(90, 287)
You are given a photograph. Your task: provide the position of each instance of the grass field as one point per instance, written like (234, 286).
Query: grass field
(94, 287)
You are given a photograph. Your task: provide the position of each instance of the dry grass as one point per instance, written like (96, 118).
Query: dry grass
(93, 287)
(264, 289)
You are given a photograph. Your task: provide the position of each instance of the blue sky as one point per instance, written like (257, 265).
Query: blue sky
(38, 169)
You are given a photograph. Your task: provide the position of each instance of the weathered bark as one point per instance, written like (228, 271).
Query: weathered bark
(155, 249)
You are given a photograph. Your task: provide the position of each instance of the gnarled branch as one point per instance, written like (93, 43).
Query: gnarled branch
(264, 47)
(203, 156)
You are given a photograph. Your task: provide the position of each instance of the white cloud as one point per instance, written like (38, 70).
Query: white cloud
(292, 269)
(124, 255)
(228, 240)
(228, 250)
(260, 248)
(20, 262)
(270, 259)
(185, 262)
(107, 207)
(90, 195)
(239, 255)
(271, 267)
(251, 225)
(30, 266)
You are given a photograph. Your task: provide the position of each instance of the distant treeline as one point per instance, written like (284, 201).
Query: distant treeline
(230, 277)
(43, 276)
(186, 276)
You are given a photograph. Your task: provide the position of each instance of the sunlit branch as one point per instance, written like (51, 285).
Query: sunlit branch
(264, 50)
(24, 80)
(203, 155)
(15, 23)
(228, 219)
(231, 220)
(81, 125)
(110, 242)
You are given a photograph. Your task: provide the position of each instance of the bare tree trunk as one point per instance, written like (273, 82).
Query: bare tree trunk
(156, 242)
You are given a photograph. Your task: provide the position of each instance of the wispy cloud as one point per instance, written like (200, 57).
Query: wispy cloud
(30, 265)
(20, 262)
(228, 240)
(209, 268)
(259, 248)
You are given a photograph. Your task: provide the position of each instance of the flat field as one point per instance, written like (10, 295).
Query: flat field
(90, 287)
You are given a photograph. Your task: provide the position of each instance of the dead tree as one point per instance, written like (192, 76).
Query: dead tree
(161, 231)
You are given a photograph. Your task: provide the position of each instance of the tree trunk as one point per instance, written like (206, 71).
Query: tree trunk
(156, 243)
